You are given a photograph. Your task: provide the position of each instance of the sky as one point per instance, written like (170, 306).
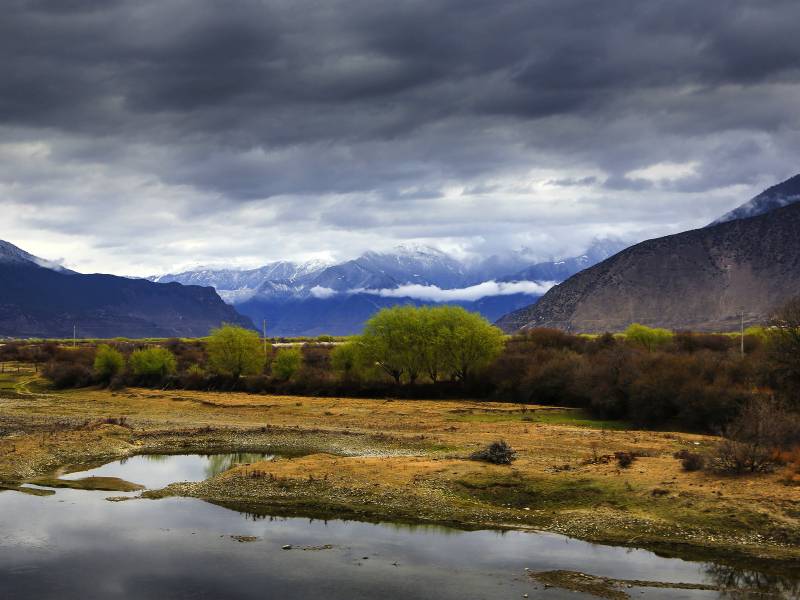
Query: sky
(145, 137)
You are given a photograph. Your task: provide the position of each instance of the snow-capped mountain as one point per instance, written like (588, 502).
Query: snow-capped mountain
(236, 286)
(10, 254)
(313, 298)
(783, 194)
(559, 270)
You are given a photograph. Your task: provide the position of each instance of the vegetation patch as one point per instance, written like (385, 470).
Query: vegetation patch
(104, 484)
(539, 493)
(607, 587)
(26, 490)
(550, 416)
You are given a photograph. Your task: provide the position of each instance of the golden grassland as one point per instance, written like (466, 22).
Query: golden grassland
(407, 460)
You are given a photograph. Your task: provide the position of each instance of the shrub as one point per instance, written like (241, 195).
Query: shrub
(67, 375)
(783, 351)
(152, 362)
(286, 363)
(753, 440)
(624, 459)
(108, 362)
(691, 461)
(498, 453)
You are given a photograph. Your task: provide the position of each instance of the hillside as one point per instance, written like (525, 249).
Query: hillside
(40, 300)
(701, 280)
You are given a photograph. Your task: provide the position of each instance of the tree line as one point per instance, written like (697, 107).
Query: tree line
(650, 377)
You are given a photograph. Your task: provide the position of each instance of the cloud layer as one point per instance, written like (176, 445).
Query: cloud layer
(143, 136)
(432, 293)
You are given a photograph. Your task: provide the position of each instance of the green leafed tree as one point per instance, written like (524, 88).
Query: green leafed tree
(287, 362)
(468, 342)
(153, 362)
(346, 361)
(235, 351)
(649, 337)
(406, 342)
(108, 362)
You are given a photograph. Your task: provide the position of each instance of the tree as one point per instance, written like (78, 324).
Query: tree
(153, 362)
(346, 360)
(783, 349)
(235, 351)
(287, 362)
(391, 341)
(434, 351)
(406, 341)
(468, 341)
(649, 337)
(108, 362)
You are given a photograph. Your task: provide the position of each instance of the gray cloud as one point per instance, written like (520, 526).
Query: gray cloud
(141, 136)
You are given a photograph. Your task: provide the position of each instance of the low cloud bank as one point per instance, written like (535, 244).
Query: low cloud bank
(432, 293)
(319, 291)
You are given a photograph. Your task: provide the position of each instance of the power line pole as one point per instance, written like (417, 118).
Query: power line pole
(742, 333)
(74, 334)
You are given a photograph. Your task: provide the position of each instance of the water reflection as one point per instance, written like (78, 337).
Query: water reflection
(747, 584)
(185, 548)
(156, 471)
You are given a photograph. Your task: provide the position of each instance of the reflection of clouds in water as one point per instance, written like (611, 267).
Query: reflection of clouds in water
(181, 543)
(156, 471)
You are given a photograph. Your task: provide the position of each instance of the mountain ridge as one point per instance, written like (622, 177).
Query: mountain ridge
(41, 299)
(702, 279)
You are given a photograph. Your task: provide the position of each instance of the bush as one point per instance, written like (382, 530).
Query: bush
(691, 461)
(153, 362)
(108, 362)
(286, 363)
(498, 453)
(624, 459)
(65, 375)
(754, 439)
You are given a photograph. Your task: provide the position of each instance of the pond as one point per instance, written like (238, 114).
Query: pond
(155, 471)
(76, 544)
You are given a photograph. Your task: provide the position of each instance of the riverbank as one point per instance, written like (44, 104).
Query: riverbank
(384, 460)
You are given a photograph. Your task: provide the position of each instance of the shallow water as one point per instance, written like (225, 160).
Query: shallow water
(75, 544)
(156, 471)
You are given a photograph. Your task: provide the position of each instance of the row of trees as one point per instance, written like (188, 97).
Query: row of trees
(230, 351)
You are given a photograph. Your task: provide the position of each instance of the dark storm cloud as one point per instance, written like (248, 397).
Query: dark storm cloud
(389, 106)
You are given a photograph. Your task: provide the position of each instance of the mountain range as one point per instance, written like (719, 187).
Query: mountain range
(315, 297)
(747, 262)
(743, 266)
(39, 298)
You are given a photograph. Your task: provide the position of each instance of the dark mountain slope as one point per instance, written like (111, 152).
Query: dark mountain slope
(37, 301)
(701, 279)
